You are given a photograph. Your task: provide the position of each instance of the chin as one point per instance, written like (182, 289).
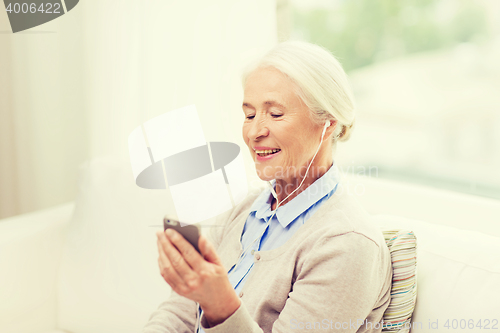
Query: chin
(266, 179)
(263, 175)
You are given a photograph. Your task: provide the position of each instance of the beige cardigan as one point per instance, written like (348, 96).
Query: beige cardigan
(333, 274)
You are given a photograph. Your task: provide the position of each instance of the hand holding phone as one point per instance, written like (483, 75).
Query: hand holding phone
(211, 286)
(190, 232)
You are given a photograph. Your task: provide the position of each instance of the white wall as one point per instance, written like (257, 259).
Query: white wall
(42, 121)
(75, 87)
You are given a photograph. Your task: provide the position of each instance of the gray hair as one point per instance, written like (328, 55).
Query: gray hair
(320, 80)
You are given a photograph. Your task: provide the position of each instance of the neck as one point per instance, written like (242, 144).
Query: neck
(285, 186)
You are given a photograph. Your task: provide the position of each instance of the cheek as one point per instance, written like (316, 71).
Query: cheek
(296, 150)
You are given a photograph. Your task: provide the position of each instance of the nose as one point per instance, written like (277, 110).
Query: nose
(258, 128)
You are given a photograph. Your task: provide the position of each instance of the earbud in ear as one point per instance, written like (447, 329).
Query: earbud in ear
(327, 124)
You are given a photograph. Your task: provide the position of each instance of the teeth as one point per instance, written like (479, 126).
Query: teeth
(267, 151)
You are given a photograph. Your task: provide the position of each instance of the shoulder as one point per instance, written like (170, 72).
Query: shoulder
(342, 234)
(342, 214)
(343, 231)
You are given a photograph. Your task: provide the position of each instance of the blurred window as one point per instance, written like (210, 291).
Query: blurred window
(426, 78)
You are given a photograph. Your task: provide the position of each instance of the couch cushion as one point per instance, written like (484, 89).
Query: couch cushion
(109, 279)
(30, 252)
(458, 275)
(402, 246)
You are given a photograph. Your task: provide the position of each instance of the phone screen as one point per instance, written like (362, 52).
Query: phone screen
(190, 232)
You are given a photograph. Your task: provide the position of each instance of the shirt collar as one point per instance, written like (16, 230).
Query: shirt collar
(294, 208)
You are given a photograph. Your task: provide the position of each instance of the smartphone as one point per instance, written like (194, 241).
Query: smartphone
(191, 232)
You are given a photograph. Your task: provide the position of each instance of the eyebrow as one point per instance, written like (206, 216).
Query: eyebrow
(269, 103)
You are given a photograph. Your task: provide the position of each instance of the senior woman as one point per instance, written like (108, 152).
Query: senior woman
(302, 254)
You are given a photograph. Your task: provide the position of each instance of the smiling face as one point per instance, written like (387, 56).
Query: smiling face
(277, 119)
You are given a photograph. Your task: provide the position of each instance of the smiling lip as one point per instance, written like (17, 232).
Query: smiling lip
(265, 158)
(263, 148)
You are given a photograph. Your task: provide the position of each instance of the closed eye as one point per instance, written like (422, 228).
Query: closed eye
(276, 115)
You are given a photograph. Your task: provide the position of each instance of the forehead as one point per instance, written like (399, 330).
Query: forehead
(269, 82)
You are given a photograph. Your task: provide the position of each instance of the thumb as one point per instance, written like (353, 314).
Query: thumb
(208, 251)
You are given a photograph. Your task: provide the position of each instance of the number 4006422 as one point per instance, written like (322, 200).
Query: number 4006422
(26, 8)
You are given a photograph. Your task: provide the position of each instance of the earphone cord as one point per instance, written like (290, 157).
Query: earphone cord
(198, 315)
(279, 203)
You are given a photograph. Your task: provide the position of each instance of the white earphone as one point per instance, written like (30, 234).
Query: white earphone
(327, 124)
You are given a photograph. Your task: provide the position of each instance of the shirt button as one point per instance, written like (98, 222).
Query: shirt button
(252, 252)
(257, 256)
(241, 294)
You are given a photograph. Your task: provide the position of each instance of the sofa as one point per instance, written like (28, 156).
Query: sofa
(90, 266)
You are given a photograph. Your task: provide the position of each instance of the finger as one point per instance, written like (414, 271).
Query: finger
(178, 262)
(208, 251)
(168, 273)
(188, 252)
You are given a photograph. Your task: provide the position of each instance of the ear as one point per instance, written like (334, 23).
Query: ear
(330, 129)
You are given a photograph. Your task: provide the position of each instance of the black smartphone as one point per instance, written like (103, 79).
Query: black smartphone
(190, 232)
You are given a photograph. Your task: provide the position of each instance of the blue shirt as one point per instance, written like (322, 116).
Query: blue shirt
(284, 223)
